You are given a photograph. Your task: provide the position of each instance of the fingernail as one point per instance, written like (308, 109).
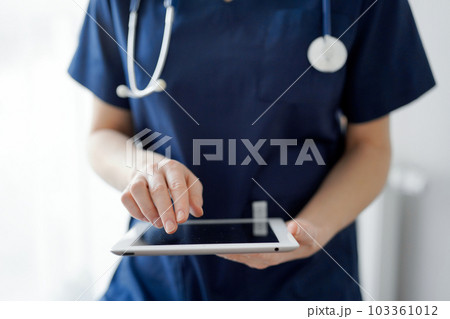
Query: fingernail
(170, 226)
(298, 230)
(180, 216)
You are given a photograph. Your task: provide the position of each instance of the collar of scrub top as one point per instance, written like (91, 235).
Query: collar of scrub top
(156, 84)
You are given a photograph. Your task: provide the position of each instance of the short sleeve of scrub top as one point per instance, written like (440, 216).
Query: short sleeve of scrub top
(387, 66)
(97, 63)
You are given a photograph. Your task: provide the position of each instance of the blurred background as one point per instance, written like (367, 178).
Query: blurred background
(58, 220)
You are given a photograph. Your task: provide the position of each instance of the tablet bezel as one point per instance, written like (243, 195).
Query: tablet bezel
(286, 242)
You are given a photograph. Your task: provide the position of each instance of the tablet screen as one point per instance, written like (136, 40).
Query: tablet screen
(191, 234)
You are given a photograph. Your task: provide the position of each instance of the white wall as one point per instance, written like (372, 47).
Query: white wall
(421, 132)
(57, 220)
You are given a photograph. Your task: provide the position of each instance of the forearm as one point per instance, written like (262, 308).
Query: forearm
(350, 187)
(107, 156)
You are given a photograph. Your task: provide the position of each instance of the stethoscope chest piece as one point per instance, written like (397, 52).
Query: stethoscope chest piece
(327, 54)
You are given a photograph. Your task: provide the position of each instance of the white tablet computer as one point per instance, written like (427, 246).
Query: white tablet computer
(204, 237)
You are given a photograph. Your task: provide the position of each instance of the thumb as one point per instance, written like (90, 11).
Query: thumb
(302, 231)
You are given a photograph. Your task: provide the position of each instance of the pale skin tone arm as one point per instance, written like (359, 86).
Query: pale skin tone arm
(147, 198)
(352, 184)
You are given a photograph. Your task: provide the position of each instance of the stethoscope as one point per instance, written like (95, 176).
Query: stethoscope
(326, 54)
(156, 84)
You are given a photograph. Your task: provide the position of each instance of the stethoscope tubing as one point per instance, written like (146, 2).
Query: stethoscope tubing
(157, 85)
(326, 11)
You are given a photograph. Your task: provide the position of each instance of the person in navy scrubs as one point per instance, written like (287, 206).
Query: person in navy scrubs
(228, 62)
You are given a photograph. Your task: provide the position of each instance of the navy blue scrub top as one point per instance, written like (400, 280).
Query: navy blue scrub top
(227, 63)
